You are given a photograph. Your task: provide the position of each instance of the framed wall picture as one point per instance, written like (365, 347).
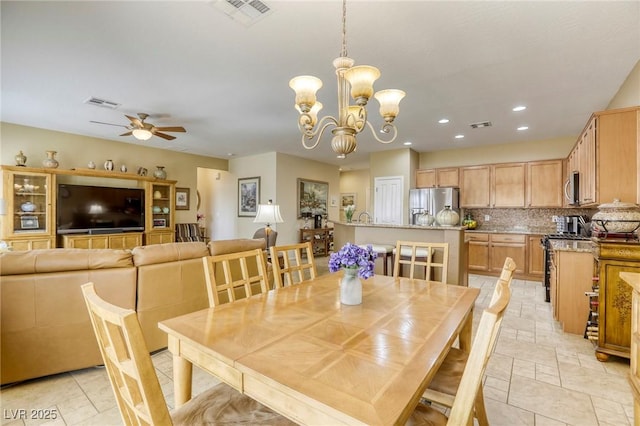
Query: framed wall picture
(248, 196)
(29, 222)
(312, 197)
(347, 199)
(182, 198)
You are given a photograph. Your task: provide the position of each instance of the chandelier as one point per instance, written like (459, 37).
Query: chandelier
(352, 119)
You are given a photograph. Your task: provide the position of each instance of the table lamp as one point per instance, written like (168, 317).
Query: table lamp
(268, 213)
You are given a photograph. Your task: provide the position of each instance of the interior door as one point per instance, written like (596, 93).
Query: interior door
(388, 196)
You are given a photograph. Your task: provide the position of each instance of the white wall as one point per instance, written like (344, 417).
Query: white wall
(629, 93)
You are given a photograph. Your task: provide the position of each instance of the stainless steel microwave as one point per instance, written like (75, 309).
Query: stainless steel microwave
(572, 189)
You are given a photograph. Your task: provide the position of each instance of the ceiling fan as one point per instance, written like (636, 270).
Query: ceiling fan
(143, 131)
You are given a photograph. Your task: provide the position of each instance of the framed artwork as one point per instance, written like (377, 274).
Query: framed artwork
(312, 197)
(347, 199)
(159, 223)
(248, 196)
(182, 198)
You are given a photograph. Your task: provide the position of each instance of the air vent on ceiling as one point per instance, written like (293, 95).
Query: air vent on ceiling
(480, 124)
(247, 12)
(102, 103)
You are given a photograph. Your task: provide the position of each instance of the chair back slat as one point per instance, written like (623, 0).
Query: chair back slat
(433, 257)
(127, 361)
(298, 264)
(234, 286)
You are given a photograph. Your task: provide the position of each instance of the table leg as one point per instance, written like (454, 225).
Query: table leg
(182, 376)
(464, 338)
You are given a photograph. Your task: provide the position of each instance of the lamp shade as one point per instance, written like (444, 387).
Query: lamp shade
(361, 78)
(268, 214)
(389, 102)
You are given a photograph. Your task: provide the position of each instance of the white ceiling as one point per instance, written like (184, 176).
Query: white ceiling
(187, 63)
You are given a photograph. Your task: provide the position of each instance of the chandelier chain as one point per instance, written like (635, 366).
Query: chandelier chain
(344, 29)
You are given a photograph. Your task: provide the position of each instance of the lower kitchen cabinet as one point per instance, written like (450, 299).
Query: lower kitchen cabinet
(487, 252)
(571, 277)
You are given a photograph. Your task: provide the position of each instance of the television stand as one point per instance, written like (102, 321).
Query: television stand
(120, 240)
(98, 231)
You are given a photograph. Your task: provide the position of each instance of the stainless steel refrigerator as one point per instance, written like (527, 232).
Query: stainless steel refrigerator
(432, 200)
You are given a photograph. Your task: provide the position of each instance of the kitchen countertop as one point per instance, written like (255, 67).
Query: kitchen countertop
(512, 230)
(379, 225)
(572, 245)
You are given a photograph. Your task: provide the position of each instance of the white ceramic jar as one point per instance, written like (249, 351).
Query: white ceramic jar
(447, 217)
(425, 219)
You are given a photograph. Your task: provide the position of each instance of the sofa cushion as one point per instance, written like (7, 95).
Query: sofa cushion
(235, 246)
(54, 260)
(169, 252)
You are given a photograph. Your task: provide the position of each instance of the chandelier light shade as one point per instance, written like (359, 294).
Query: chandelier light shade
(142, 134)
(356, 81)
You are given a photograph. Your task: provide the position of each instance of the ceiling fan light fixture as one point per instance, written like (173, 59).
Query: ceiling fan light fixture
(142, 134)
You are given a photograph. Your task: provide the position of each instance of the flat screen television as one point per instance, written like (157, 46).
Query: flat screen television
(99, 209)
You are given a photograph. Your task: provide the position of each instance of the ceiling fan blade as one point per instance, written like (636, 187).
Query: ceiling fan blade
(171, 129)
(136, 121)
(163, 136)
(108, 124)
(127, 134)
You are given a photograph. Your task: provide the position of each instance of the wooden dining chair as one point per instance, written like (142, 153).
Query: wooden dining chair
(221, 279)
(445, 384)
(135, 383)
(292, 264)
(433, 257)
(465, 401)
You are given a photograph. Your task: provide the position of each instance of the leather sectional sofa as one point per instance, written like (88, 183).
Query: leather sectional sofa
(45, 327)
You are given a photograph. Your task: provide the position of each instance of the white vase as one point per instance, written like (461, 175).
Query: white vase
(350, 287)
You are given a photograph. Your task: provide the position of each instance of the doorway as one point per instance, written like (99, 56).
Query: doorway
(388, 196)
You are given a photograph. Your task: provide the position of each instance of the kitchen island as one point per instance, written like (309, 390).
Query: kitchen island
(370, 233)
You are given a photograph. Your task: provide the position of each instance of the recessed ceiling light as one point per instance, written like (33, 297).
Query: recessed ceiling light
(523, 127)
(519, 108)
(230, 154)
(341, 156)
(459, 136)
(443, 121)
(407, 143)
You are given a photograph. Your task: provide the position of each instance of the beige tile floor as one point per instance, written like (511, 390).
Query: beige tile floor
(537, 376)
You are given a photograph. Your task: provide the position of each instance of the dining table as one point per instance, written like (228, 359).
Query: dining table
(302, 353)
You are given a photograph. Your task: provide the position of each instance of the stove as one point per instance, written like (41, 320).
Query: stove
(546, 246)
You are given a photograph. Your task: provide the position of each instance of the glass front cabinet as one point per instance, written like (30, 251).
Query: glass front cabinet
(159, 217)
(28, 216)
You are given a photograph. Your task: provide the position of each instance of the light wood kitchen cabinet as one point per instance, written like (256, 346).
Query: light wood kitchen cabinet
(475, 186)
(30, 219)
(535, 256)
(606, 157)
(508, 185)
(159, 212)
(544, 184)
(432, 178)
(570, 279)
(507, 245)
(487, 252)
(478, 257)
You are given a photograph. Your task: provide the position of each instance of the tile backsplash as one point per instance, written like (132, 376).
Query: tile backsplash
(531, 219)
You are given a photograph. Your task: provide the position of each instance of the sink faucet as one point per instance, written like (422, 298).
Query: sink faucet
(367, 215)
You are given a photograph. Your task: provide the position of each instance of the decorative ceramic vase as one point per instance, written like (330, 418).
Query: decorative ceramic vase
(142, 171)
(447, 217)
(425, 219)
(617, 217)
(157, 195)
(50, 162)
(108, 165)
(350, 287)
(28, 207)
(165, 210)
(157, 209)
(123, 168)
(91, 165)
(159, 173)
(21, 159)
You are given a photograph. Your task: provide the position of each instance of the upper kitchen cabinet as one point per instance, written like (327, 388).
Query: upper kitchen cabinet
(433, 178)
(606, 157)
(544, 183)
(508, 185)
(475, 186)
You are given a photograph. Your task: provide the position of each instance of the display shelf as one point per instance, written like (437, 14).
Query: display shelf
(321, 239)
